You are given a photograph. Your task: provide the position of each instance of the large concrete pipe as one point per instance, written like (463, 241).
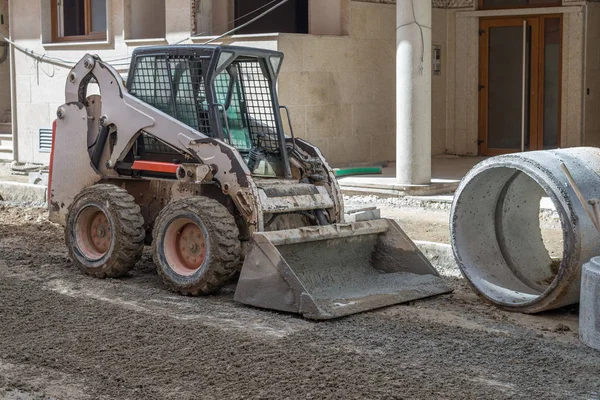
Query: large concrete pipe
(495, 229)
(589, 309)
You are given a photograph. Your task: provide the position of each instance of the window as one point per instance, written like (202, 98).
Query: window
(495, 4)
(74, 20)
(291, 17)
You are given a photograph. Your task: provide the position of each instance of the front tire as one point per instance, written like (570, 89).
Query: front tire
(196, 246)
(105, 231)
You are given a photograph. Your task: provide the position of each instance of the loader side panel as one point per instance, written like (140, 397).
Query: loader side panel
(72, 170)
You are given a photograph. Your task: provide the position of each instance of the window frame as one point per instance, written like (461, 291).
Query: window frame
(89, 36)
(549, 3)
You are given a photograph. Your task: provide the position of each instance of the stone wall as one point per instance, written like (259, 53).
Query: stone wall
(341, 90)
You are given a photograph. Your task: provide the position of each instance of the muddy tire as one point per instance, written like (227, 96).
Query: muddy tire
(196, 246)
(105, 231)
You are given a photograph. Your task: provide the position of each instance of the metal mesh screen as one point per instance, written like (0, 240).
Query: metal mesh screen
(245, 92)
(259, 106)
(229, 95)
(150, 144)
(151, 83)
(174, 85)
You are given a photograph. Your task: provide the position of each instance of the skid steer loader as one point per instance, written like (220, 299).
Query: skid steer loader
(190, 156)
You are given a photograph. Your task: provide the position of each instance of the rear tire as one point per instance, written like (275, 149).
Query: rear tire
(105, 231)
(196, 246)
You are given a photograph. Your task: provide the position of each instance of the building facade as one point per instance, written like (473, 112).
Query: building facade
(6, 142)
(507, 75)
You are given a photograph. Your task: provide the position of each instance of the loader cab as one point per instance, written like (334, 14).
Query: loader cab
(224, 92)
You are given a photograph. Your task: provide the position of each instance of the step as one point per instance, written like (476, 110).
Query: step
(5, 139)
(5, 127)
(6, 153)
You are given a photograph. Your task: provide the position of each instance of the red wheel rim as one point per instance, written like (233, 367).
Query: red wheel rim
(185, 246)
(93, 234)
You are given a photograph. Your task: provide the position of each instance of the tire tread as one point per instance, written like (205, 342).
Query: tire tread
(225, 254)
(128, 221)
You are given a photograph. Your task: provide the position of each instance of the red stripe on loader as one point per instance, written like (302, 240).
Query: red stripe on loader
(155, 166)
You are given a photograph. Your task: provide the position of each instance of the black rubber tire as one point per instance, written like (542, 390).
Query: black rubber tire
(223, 255)
(127, 231)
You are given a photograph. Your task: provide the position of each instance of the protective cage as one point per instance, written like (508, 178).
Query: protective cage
(174, 80)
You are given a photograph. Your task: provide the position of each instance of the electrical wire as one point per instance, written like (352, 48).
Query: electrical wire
(40, 57)
(230, 22)
(44, 58)
(247, 23)
(68, 64)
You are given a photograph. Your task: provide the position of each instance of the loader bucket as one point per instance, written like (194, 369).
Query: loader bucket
(331, 271)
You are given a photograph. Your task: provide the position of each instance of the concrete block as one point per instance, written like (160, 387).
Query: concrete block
(38, 178)
(589, 305)
(292, 88)
(317, 88)
(291, 46)
(23, 192)
(358, 215)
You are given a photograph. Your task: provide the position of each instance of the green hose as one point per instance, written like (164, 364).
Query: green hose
(340, 172)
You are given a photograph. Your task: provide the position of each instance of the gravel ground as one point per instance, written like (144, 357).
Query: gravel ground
(68, 336)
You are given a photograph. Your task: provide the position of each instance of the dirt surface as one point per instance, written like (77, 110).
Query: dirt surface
(64, 335)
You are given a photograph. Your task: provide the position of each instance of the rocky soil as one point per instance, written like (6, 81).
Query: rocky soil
(64, 335)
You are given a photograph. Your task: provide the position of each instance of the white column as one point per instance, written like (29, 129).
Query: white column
(413, 91)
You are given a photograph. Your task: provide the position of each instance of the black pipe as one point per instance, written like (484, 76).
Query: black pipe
(99, 147)
(320, 214)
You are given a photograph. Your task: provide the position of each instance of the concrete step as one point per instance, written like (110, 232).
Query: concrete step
(23, 192)
(5, 139)
(6, 153)
(5, 127)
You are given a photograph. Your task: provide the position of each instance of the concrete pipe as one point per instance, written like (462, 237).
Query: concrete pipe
(495, 227)
(589, 308)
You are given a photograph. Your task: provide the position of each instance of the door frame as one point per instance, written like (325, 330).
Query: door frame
(543, 19)
(536, 73)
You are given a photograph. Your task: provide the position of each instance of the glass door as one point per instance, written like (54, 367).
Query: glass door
(519, 88)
